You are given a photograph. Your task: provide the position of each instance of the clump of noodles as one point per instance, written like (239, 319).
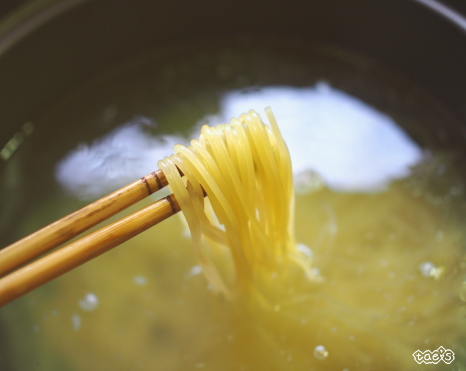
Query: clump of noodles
(242, 232)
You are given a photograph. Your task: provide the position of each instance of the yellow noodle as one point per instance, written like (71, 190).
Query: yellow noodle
(242, 232)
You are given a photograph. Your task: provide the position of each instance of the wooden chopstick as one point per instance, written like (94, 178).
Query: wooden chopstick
(78, 252)
(64, 229)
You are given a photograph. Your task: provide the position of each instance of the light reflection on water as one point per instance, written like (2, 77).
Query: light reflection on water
(350, 145)
(120, 157)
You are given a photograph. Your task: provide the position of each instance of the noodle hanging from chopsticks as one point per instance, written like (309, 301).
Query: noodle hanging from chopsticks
(243, 230)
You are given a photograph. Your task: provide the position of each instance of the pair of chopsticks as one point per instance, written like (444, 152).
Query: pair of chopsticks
(25, 278)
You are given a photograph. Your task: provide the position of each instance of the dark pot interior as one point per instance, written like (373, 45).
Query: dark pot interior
(67, 52)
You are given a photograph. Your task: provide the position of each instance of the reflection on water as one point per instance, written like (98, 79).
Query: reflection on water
(350, 145)
(122, 156)
(12, 145)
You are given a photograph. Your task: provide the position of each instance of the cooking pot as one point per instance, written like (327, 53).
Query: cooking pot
(57, 53)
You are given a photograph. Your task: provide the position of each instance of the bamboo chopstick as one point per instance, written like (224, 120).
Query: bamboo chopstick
(76, 253)
(64, 229)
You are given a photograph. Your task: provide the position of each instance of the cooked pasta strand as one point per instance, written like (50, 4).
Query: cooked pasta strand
(246, 221)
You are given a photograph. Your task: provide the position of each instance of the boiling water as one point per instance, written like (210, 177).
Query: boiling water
(389, 254)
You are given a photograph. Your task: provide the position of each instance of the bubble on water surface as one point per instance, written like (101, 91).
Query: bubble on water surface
(89, 302)
(320, 352)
